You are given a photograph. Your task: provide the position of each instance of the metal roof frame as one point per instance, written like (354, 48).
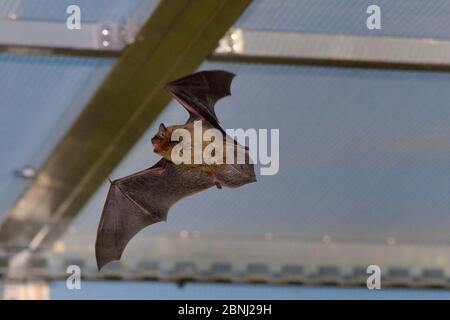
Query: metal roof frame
(334, 50)
(173, 42)
(51, 34)
(53, 37)
(276, 261)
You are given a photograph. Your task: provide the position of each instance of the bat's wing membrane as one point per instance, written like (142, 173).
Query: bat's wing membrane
(139, 200)
(199, 92)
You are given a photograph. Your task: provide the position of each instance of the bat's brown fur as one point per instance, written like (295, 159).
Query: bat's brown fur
(163, 145)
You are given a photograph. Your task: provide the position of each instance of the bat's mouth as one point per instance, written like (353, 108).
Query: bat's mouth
(156, 144)
(156, 147)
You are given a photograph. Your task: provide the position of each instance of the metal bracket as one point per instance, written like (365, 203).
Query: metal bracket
(46, 34)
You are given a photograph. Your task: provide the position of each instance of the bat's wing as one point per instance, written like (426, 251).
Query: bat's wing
(200, 91)
(238, 173)
(141, 199)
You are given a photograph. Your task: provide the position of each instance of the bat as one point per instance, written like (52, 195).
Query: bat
(145, 197)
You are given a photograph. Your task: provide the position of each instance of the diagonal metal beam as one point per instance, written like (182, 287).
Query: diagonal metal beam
(173, 42)
(242, 45)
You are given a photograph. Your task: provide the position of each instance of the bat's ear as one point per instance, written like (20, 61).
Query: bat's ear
(162, 130)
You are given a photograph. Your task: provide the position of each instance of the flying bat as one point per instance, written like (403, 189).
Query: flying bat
(145, 197)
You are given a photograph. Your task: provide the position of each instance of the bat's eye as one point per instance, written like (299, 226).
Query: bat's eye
(155, 140)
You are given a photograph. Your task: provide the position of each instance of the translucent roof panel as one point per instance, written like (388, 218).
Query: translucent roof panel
(364, 156)
(403, 18)
(91, 10)
(41, 96)
(224, 291)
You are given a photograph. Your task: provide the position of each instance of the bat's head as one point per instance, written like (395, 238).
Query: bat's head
(160, 139)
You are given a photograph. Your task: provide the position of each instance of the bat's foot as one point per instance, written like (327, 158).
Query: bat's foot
(215, 180)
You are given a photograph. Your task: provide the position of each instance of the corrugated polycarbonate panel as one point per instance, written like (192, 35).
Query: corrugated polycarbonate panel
(91, 10)
(364, 157)
(402, 18)
(40, 97)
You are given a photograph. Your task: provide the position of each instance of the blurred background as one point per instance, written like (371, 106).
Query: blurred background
(364, 173)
